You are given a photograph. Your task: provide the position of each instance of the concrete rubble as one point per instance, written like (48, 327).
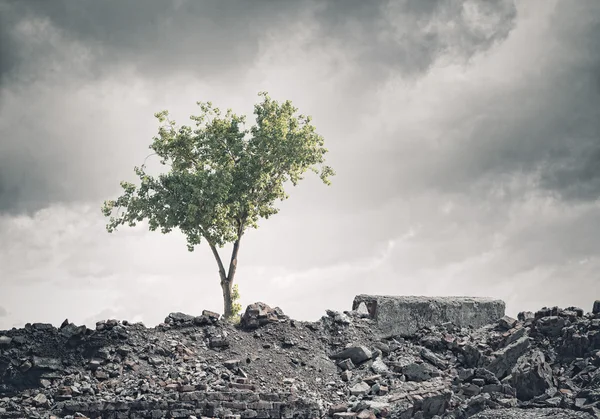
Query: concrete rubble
(468, 361)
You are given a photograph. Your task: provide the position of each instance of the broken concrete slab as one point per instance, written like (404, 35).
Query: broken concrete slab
(505, 359)
(404, 315)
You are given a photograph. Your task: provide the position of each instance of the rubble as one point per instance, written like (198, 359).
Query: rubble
(541, 365)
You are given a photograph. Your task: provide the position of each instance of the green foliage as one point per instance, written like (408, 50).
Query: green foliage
(221, 178)
(235, 298)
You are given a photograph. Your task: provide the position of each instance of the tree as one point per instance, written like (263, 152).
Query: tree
(222, 178)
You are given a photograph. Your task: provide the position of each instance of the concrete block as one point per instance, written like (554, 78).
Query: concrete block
(404, 315)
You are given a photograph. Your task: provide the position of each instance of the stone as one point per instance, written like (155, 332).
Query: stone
(211, 315)
(366, 414)
(516, 413)
(596, 307)
(418, 372)
(362, 310)
(515, 334)
(379, 367)
(340, 318)
(550, 326)
(435, 404)
(232, 364)
(532, 376)
(471, 389)
(40, 400)
(359, 389)
(506, 358)
(428, 355)
(44, 363)
(5, 341)
(259, 314)
(405, 315)
(357, 354)
(507, 322)
(525, 316)
(346, 375)
(337, 408)
(472, 356)
(346, 364)
(179, 318)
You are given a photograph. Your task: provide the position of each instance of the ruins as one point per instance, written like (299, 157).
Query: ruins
(390, 357)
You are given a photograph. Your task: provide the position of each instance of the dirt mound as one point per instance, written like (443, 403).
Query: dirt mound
(271, 366)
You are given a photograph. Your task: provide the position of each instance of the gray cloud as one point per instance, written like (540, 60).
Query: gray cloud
(407, 37)
(3, 312)
(204, 38)
(57, 57)
(207, 38)
(541, 121)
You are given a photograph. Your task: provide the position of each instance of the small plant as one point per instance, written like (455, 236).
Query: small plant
(236, 308)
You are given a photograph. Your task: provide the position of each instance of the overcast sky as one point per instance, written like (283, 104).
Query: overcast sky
(465, 136)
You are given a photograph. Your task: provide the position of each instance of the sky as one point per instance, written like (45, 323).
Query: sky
(465, 136)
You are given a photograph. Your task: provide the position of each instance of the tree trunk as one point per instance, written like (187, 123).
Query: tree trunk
(227, 287)
(227, 278)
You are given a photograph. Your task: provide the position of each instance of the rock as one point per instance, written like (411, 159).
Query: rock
(550, 326)
(213, 316)
(357, 354)
(5, 341)
(435, 404)
(44, 363)
(507, 322)
(340, 318)
(346, 364)
(232, 364)
(433, 358)
(218, 342)
(403, 316)
(258, 314)
(596, 307)
(525, 316)
(346, 375)
(179, 318)
(515, 334)
(486, 375)
(40, 400)
(360, 389)
(419, 372)
(531, 414)
(362, 310)
(379, 367)
(337, 408)
(366, 414)
(506, 358)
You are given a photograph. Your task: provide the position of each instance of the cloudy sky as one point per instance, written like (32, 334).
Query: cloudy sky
(465, 136)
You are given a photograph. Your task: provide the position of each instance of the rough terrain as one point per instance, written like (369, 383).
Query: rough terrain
(541, 365)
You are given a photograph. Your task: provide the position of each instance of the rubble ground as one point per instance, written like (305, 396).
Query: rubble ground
(540, 365)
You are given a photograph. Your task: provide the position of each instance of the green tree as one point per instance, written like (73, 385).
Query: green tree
(221, 178)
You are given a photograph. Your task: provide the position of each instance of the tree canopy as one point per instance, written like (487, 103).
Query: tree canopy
(221, 178)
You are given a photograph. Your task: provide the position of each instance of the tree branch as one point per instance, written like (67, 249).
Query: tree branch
(219, 262)
(234, 252)
(228, 150)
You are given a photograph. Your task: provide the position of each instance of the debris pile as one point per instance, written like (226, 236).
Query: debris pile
(543, 364)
